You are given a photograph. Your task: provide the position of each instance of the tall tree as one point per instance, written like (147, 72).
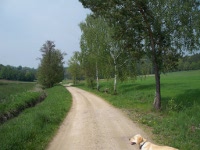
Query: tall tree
(98, 45)
(87, 61)
(160, 29)
(93, 32)
(122, 64)
(51, 70)
(74, 67)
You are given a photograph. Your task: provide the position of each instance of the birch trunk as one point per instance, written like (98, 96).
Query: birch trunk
(115, 78)
(97, 76)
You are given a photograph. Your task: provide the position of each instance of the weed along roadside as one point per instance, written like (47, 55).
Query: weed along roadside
(35, 127)
(178, 122)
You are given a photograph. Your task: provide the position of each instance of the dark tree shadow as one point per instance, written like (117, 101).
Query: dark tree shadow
(185, 100)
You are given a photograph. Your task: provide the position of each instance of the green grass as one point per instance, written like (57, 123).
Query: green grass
(35, 127)
(17, 96)
(15, 104)
(178, 122)
(8, 88)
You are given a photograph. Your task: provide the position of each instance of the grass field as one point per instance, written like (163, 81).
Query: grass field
(17, 96)
(8, 88)
(178, 123)
(34, 127)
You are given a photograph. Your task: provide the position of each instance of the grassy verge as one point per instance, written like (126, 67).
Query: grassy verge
(15, 104)
(178, 123)
(35, 127)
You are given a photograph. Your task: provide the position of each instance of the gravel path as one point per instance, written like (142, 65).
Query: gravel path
(93, 124)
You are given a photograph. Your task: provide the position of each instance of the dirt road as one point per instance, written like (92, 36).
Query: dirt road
(93, 124)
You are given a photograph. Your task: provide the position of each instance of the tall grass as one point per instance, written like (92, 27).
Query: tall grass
(8, 88)
(181, 129)
(35, 127)
(18, 101)
(15, 104)
(178, 122)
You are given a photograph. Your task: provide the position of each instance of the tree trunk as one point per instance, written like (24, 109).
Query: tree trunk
(157, 99)
(97, 76)
(115, 79)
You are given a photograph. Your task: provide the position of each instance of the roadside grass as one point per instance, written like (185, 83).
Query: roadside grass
(15, 104)
(8, 88)
(36, 126)
(17, 96)
(178, 122)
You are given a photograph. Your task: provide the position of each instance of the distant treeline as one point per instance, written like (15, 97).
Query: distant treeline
(17, 73)
(189, 63)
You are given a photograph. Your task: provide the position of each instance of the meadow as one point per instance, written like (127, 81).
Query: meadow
(35, 126)
(8, 88)
(178, 122)
(16, 97)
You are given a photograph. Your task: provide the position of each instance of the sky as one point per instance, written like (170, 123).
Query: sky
(25, 25)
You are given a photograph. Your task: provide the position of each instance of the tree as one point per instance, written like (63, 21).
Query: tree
(159, 29)
(189, 62)
(94, 35)
(102, 51)
(51, 70)
(122, 63)
(17, 73)
(87, 62)
(74, 67)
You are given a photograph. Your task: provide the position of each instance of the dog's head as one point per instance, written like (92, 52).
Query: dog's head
(137, 139)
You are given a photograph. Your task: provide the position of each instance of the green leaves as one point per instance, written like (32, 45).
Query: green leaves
(167, 24)
(51, 69)
(74, 67)
(159, 29)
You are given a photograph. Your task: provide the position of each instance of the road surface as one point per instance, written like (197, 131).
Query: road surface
(93, 124)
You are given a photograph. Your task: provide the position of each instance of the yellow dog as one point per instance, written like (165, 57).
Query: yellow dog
(144, 145)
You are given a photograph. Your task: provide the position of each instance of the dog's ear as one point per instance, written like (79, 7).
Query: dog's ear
(140, 139)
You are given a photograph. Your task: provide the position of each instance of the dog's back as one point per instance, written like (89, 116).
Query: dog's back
(151, 146)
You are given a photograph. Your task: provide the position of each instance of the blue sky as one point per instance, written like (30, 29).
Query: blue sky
(25, 25)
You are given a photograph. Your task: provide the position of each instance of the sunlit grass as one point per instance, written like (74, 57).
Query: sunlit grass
(34, 128)
(18, 102)
(178, 122)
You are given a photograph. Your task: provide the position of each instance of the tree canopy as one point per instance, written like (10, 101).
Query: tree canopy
(101, 55)
(51, 70)
(17, 73)
(74, 68)
(160, 29)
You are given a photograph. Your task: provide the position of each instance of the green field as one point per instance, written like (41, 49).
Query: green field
(35, 126)
(16, 97)
(8, 88)
(178, 122)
